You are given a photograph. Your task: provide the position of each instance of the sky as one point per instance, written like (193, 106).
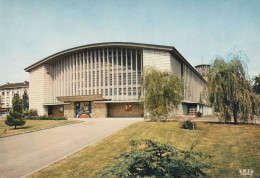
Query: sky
(31, 30)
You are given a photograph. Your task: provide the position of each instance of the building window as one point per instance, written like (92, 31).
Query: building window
(128, 107)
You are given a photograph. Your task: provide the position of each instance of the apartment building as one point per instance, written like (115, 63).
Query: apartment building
(8, 90)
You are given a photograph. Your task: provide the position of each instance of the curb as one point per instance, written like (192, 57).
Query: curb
(40, 129)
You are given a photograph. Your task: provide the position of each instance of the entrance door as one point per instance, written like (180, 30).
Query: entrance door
(192, 109)
(50, 110)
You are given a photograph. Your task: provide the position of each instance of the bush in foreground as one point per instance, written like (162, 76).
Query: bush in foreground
(188, 125)
(153, 159)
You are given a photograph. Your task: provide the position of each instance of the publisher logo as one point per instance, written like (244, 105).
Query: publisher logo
(246, 172)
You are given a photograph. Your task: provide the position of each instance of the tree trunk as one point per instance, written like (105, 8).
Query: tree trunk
(14, 126)
(235, 116)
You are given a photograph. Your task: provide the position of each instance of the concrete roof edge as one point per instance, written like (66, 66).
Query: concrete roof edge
(130, 44)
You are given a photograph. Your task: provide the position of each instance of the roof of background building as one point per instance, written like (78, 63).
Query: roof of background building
(171, 49)
(201, 65)
(15, 85)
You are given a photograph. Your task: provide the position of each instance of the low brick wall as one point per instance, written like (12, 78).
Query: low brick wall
(119, 110)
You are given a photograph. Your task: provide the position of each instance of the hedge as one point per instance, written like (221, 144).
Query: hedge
(45, 117)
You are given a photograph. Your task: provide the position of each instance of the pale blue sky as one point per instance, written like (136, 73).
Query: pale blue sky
(31, 30)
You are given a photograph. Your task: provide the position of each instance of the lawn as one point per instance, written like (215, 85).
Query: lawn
(30, 125)
(234, 147)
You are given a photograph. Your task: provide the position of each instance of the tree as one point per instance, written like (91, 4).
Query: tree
(229, 90)
(25, 101)
(163, 91)
(15, 116)
(154, 159)
(256, 85)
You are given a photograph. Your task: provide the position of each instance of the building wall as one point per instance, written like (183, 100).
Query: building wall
(99, 110)
(203, 70)
(119, 110)
(175, 66)
(69, 110)
(193, 85)
(41, 88)
(156, 58)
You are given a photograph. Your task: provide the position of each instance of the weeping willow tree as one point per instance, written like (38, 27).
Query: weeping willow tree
(163, 91)
(230, 92)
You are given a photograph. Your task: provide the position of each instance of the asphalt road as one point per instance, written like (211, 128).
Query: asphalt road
(23, 154)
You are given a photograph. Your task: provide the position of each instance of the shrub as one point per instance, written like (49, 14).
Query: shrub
(188, 125)
(45, 117)
(31, 112)
(154, 159)
(199, 114)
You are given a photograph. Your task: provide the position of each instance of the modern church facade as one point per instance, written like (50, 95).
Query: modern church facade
(103, 80)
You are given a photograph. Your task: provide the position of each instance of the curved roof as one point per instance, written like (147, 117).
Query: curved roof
(114, 44)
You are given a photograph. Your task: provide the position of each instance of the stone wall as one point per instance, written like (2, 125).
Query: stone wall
(99, 110)
(119, 110)
(69, 110)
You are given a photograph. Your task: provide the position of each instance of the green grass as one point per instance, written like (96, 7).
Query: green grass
(234, 147)
(30, 125)
(209, 117)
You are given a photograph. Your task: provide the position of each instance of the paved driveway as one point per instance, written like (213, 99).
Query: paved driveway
(25, 153)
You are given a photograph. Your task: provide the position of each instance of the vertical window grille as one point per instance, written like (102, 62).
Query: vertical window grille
(97, 78)
(129, 91)
(110, 79)
(115, 78)
(124, 78)
(134, 91)
(129, 78)
(93, 74)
